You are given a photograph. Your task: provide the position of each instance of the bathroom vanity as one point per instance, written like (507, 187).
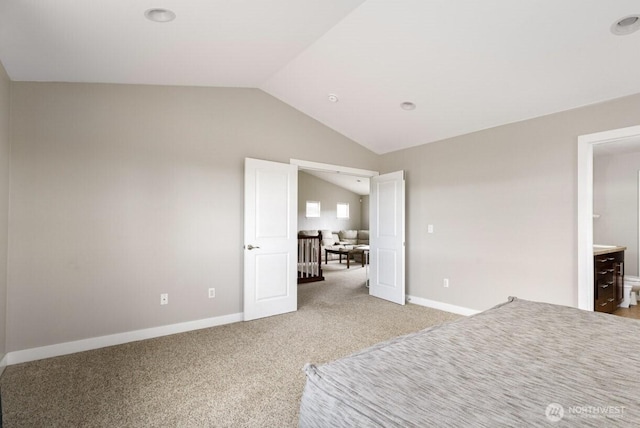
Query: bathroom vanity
(608, 279)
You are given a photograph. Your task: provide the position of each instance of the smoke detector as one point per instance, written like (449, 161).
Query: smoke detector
(626, 25)
(160, 15)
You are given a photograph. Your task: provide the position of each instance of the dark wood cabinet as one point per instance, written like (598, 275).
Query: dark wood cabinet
(608, 281)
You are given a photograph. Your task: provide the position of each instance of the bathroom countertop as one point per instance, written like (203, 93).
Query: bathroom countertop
(598, 251)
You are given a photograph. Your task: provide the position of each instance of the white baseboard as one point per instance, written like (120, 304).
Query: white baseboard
(442, 306)
(59, 349)
(66, 348)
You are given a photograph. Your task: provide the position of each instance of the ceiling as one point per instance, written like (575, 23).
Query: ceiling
(352, 183)
(466, 64)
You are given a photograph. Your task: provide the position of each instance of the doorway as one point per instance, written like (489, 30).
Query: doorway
(387, 229)
(615, 218)
(335, 205)
(586, 144)
(263, 181)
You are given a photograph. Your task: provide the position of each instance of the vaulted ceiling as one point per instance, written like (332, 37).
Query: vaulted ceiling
(467, 65)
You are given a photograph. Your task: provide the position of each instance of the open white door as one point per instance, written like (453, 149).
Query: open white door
(270, 238)
(386, 240)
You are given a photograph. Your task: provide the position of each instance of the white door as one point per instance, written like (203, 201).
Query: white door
(386, 240)
(270, 238)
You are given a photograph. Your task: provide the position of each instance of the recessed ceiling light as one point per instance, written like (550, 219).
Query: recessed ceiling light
(407, 105)
(626, 25)
(333, 98)
(160, 15)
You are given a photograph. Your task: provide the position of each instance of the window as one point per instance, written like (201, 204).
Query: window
(313, 208)
(343, 210)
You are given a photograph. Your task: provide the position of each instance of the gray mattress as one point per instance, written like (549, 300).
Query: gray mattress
(519, 364)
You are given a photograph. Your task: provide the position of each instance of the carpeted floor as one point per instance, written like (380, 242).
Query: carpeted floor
(247, 374)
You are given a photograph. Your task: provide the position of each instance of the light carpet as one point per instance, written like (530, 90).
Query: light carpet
(247, 374)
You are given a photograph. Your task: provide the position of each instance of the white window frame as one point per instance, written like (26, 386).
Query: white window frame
(313, 209)
(345, 206)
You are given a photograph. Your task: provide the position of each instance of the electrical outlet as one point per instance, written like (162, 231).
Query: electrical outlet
(164, 299)
(212, 293)
(446, 282)
(429, 228)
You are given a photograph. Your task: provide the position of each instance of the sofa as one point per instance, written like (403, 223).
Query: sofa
(344, 239)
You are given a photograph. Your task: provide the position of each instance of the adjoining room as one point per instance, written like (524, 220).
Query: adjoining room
(336, 207)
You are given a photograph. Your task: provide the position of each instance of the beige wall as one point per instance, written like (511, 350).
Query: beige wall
(504, 206)
(364, 212)
(120, 193)
(312, 188)
(615, 199)
(5, 98)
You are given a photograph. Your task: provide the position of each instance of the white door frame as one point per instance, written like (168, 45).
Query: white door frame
(585, 206)
(317, 166)
(325, 167)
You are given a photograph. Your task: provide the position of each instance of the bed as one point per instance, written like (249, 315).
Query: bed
(520, 363)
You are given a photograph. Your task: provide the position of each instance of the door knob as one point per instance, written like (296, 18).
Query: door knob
(251, 247)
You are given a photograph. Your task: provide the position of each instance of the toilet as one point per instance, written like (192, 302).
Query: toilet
(631, 288)
(627, 296)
